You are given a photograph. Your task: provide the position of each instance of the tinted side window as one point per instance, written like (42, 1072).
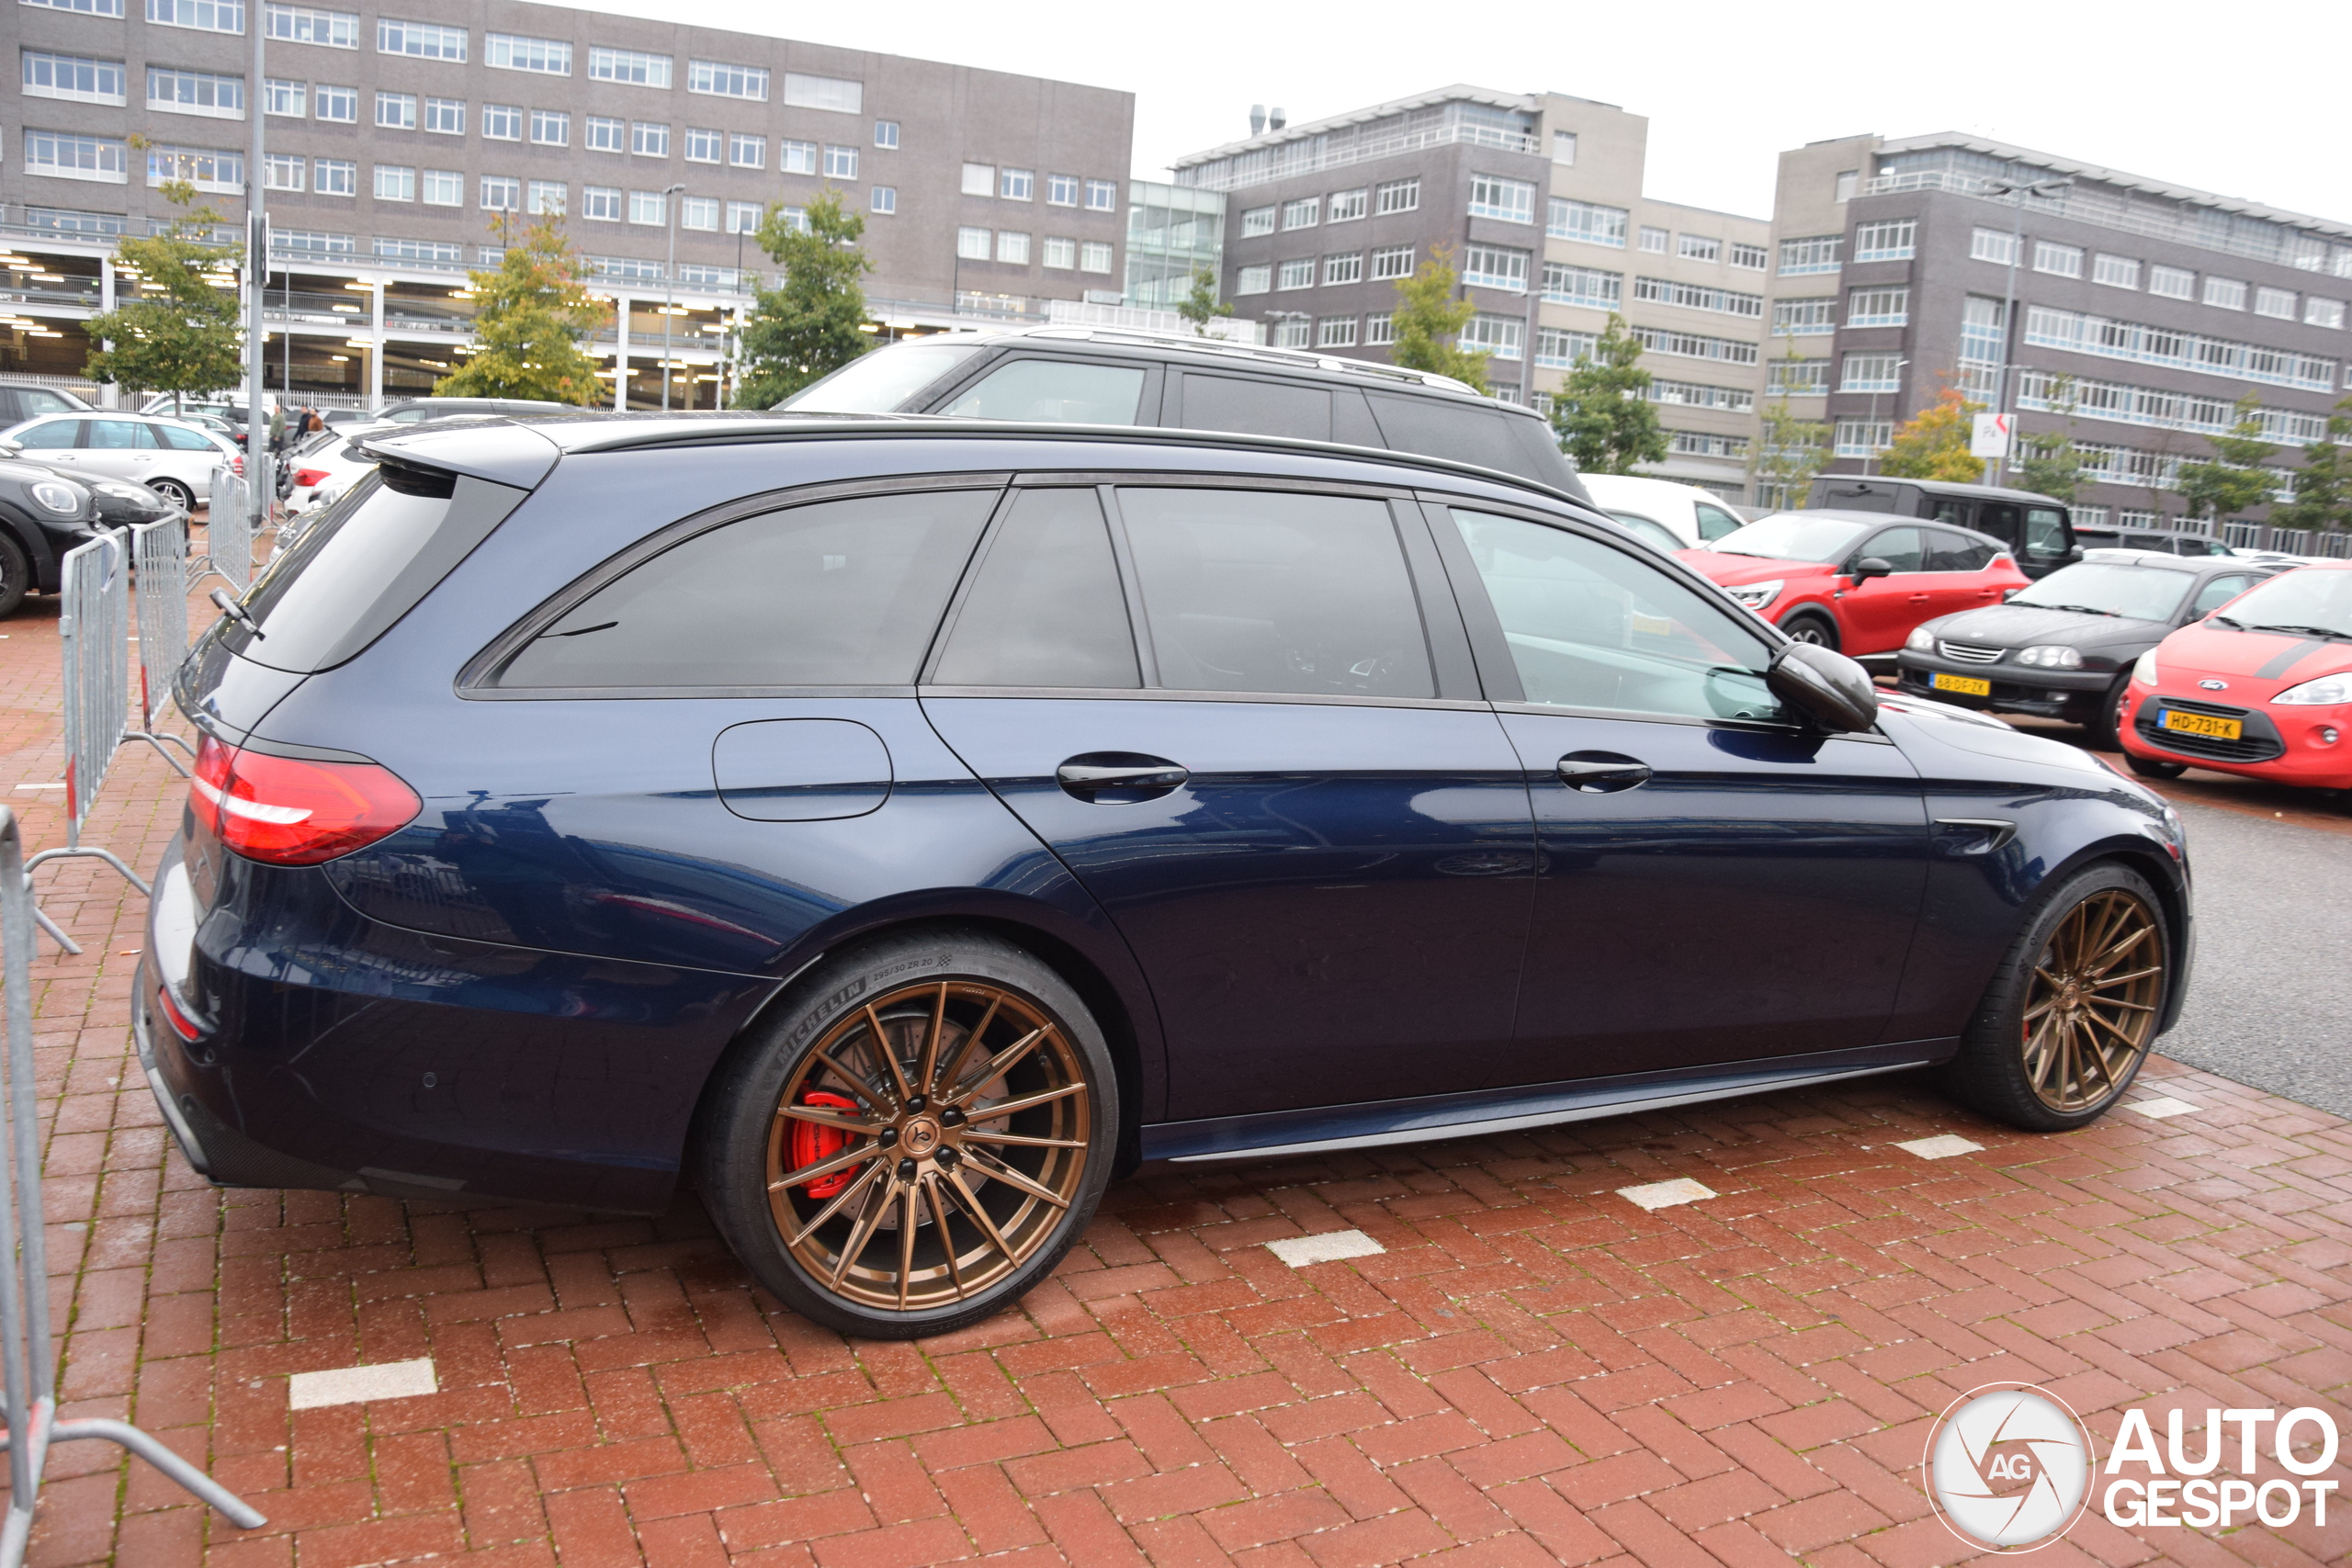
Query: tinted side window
(2046, 531)
(1713, 521)
(2216, 593)
(833, 594)
(1459, 429)
(1256, 408)
(1253, 592)
(2000, 520)
(1045, 608)
(57, 435)
(181, 440)
(1956, 552)
(1898, 547)
(1059, 391)
(1955, 512)
(1591, 627)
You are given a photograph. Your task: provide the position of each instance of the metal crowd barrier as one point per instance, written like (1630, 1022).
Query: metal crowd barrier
(229, 534)
(94, 650)
(159, 578)
(26, 1346)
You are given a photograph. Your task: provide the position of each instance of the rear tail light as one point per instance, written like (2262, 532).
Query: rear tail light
(290, 811)
(237, 463)
(305, 478)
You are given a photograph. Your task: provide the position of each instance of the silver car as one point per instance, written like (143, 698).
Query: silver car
(170, 457)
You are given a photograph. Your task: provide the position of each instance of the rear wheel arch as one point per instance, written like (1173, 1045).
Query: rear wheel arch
(1103, 999)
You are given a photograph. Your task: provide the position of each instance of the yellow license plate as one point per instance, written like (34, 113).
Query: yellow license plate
(2201, 724)
(1966, 686)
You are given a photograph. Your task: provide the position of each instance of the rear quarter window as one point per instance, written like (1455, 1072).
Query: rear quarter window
(1465, 432)
(1256, 407)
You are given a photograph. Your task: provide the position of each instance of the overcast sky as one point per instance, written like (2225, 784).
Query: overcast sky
(2250, 105)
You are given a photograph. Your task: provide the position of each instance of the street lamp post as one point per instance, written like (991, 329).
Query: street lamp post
(670, 287)
(1997, 469)
(258, 465)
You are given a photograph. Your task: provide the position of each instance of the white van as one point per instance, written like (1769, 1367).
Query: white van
(1694, 515)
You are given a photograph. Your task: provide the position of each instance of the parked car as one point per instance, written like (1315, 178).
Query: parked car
(42, 516)
(1854, 582)
(895, 905)
(1695, 516)
(229, 406)
(2065, 647)
(2170, 541)
(1091, 376)
(320, 469)
(2261, 686)
(173, 458)
(2037, 531)
(18, 404)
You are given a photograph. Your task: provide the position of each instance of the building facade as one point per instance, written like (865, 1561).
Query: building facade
(1536, 199)
(405, 145)
(2133, 313)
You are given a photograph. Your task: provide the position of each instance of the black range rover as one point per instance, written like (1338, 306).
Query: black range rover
(1094, 376)
(2038, 531)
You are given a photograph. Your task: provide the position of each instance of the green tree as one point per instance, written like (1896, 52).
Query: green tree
(1793, 451)
(1202, 305)
(1933, 442)
(531, 315)
(2234, 479)
(2323, 484)
(810, 324)
(2050, 465)
(184, 331)
(1602, 414)
(1428, 318)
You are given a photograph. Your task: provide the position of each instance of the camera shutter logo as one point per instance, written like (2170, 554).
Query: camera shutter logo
(2008, 1467)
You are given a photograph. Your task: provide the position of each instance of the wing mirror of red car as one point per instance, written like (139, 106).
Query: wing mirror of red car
(1869, 567)
(1828, 688)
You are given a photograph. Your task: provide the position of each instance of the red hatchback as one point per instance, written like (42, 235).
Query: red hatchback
(1857, 582)
(2262, 686)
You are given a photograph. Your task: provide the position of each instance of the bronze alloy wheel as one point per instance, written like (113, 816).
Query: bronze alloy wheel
(928, 1144)
(2090, 1006)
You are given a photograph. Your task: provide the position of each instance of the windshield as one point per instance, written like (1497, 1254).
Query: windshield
(1791, 536)
(878, 382)
(2315, 600)
(2142, 592)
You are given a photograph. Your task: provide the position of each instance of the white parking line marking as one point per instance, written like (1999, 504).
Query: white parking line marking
(1298, 1251)
(2161, 1107)
(1660, 1195)
(1943, 1146)
(351, 1385)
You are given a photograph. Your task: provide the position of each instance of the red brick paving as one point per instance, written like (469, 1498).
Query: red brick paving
(1534, 1373)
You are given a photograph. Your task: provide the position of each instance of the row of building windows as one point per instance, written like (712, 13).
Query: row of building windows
(505, 193)
(2082, 333)
(2000, 247)
(1334, 332)
(1346, 266)
(1338, 206)
(1058, 251)
(1818, 316)
(1594, 224)
(1021, 185)
(2046, 391)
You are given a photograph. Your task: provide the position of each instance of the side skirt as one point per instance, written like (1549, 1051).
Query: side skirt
(1374, 1125)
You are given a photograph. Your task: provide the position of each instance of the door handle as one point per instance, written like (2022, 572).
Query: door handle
(1132, 777)
(1601, 772)
(1919, 598)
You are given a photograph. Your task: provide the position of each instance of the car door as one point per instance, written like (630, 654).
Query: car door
(57, 441)
(2214, 592)
(1718, 882)
(1284, 789)
(1959, 569)
(1876, 613)
(188, 456)
(119, 449)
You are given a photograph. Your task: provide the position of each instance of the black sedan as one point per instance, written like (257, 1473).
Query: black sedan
(2063, 648)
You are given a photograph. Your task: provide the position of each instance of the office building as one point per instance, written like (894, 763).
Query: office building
(1538, 200)
(404, 146)
(2150, 307)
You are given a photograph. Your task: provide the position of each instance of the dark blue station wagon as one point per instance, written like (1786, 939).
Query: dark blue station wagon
(902, 830)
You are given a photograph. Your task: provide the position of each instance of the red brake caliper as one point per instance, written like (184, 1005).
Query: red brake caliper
(811, 1143)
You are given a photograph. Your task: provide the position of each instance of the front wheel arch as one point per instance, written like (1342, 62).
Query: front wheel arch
(1809, 622)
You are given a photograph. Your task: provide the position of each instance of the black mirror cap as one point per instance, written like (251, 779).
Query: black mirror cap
(1827, 687)
(1872, 566)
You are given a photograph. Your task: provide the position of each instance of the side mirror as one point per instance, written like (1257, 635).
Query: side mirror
(11, 449)
(1828, 688)
(1869, 567)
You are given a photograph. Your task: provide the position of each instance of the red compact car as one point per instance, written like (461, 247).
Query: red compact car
(1857, 582)
(2262, 686)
